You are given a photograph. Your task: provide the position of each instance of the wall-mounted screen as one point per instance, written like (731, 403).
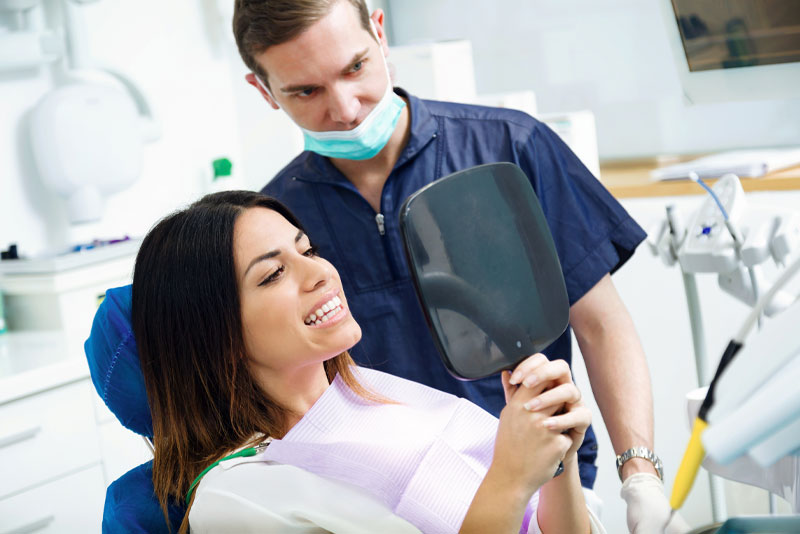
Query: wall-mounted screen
(735, 49)
(738, 33)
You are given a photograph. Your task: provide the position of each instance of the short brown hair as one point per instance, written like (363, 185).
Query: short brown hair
(259, 24)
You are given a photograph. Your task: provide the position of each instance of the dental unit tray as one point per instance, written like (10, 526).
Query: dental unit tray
(485, 269)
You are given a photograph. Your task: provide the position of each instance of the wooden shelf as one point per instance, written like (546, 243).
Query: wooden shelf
(631, 179)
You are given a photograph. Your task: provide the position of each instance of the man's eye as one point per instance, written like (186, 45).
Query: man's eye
(272, 277)
(312, 251)
(305, 92)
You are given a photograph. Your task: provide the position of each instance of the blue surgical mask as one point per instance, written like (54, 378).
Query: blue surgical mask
(365, 140)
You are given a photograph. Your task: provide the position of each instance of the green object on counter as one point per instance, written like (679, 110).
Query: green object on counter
(222, 168)
(3, 328)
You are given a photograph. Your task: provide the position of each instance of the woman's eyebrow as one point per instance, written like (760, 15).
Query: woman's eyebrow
(270, 254)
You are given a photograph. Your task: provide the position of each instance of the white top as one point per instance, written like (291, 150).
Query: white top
(352, 466)
(243, 495)
(240, 496)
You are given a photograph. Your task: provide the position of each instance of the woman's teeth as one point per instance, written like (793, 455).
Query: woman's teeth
(324, 313)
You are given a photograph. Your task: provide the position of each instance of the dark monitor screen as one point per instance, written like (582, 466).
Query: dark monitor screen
(738, 33)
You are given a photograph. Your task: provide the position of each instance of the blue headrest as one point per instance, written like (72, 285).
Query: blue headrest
(114, 362)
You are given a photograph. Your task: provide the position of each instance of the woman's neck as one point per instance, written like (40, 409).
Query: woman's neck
(296, 390)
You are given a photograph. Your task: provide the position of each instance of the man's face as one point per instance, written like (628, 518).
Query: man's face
(330, 76)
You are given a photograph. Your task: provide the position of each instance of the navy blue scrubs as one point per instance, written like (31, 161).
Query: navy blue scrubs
(593, 234)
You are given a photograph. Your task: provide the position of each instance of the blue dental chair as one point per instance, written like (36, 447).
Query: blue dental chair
(131, 505)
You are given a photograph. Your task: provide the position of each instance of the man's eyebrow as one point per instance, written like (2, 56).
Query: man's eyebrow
(296, 88)
(270, 254)
(358, 56)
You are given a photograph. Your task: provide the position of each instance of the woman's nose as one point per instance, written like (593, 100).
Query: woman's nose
(318, 273)
(343, 106)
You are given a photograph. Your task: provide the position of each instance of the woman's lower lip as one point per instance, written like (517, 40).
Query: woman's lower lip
(333, 320)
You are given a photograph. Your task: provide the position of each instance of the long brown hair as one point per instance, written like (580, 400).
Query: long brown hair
(259, 24)
(187, 323)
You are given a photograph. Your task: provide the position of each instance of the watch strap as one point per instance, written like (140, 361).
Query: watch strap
(640, 452)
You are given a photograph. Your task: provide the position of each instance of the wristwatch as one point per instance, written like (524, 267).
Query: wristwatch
(640, 452)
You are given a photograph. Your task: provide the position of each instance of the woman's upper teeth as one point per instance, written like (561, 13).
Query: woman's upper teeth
(324, 312)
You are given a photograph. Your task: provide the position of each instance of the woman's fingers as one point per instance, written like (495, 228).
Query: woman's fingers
(552, 371)
(508, 389)
(577, 418)
(559, 395)
(527, 367)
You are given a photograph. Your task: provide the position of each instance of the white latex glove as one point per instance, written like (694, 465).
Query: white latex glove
(648, 507)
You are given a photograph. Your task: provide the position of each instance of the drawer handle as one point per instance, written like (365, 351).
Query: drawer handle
(35, 526)
(22, 435)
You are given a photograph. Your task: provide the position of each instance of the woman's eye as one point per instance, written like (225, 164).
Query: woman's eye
(272, 277)
(357, 66)
(312, 251)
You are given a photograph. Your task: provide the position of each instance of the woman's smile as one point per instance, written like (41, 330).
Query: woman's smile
(326, 313)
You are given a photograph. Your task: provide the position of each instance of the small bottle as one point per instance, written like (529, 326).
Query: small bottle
(221, 175)
(3, 328)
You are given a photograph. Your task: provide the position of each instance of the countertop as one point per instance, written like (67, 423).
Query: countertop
(35, 361)
(631, 179)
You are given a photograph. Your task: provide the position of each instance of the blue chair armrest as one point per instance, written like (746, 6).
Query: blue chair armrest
(132, 508)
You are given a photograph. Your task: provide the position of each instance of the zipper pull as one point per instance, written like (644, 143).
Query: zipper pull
(379, 222)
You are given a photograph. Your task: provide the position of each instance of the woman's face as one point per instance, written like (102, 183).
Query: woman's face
(294, 312)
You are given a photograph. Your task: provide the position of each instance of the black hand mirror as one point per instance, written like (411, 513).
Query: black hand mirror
(485, 269)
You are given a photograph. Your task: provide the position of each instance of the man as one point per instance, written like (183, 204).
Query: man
(369, 146)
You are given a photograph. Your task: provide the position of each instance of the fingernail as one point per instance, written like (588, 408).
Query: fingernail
(515, 378)
(532, 405)
(530, 381)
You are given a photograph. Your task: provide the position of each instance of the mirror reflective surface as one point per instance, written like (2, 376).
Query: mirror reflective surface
(485, 269)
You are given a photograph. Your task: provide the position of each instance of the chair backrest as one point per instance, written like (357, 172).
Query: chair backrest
(131, 505)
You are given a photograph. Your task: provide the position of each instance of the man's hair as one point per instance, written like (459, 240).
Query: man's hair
(187, 323)
(259, 24)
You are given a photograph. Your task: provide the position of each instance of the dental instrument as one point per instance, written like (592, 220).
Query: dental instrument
(695, 450)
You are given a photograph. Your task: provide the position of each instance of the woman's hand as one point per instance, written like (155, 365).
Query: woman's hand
(542, 404)
(560, 396)
(526, 452)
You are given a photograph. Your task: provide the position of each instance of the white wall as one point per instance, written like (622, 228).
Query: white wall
(182, 55)
(611, 57)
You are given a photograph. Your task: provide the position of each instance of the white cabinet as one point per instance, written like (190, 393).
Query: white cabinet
(71, 502)
(47, 435)
(59, 445)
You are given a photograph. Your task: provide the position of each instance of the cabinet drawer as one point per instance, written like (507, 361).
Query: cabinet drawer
(70, 504)
(46, 436)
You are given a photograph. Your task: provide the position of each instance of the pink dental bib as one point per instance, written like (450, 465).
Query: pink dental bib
(424, 457)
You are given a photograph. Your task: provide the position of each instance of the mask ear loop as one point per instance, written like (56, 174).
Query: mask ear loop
(265, 88)
(383, 55)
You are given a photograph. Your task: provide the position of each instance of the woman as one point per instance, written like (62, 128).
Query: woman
(243, 332)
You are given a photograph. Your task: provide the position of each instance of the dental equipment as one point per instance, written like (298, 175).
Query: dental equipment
(87, 135)
(731, 238)
(724, 440)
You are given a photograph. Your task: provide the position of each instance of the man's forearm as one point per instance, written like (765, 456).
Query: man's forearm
(617, 369)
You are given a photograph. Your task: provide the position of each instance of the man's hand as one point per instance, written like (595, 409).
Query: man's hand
(648, 508)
